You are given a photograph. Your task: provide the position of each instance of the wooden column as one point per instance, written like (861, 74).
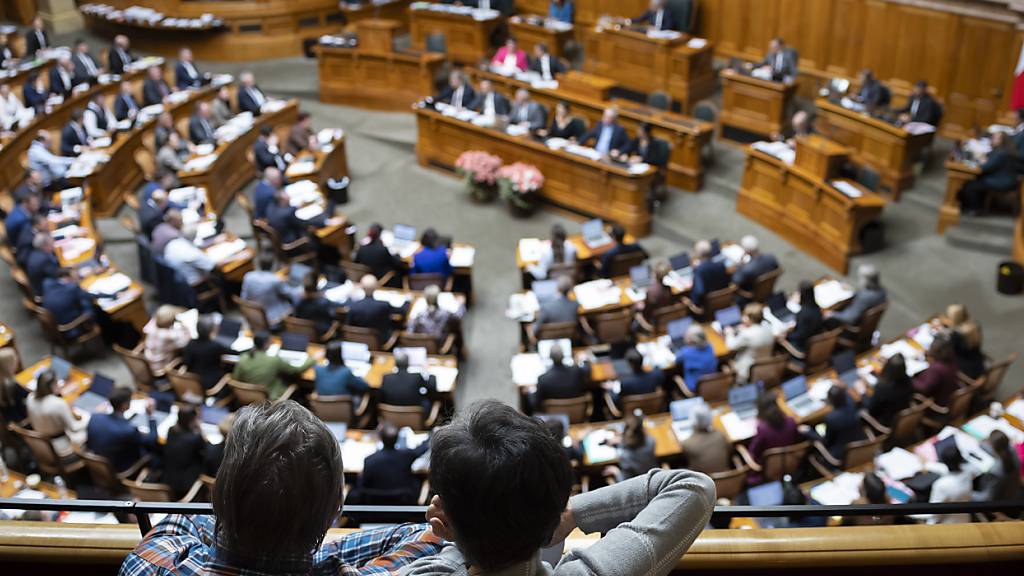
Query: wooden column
(60, 16)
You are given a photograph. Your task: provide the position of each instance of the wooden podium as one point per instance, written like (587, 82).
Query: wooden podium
(753, 105)
(377, 35)
(957, 174)
(820, 156)
(467, 40)
(377, 80)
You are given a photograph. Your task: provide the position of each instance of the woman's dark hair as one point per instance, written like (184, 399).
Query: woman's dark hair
(558, 237)
(1001, 446)
(768, 411)
(333, 354)
(894, 371)
(279, 487)
(429, 239)
(807, 295)
(44, 383)
(503, 480)
(837, 396)
(633, 434)
(874, 489)
(636, 361)
(186, 420)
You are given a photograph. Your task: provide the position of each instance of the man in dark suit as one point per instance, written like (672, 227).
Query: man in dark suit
(266, 150)
(200, 127)
(20, 217)
(842, 424)
(870, 293)
(265, 191)
(87, 70)
(152, 211)
(23, 243)
(657, 17)
(114, 437)
(62, 77)
(488, 102)
(370, 312)
(66, 300)
(250, 97)
(560, 381)
(781, 61)
(186, 75)
(544, 63)
(608, 136)
(387, 476)
(638, 381)
(620, 247)
(281, 217)
(73, 136)
(526, 112)
(404, 388)
(7, 56)
(120, 55)
(126, 106)
(756, 264)
(870, 93)
(154, 88)
(36, 38)
(459, 92)
(646, 148)
(41, 263)
(709, 275)
(922, 107)
(561, 309)
(375, 255)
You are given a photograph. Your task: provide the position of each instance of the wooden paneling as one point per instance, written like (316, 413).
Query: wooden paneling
(380, 81)
(588, 11)
(468, 40)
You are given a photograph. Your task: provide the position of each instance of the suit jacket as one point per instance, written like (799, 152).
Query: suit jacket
(708, 276)
(33, 98)
(863, 300)
(501, 104)
(16, 222)
(999, 172)
(707, 452)
(555, 66)
(83, 75)
(888, 399)
(668, 20)
(404, 388)
(39, 266)
(221, 112)
(66, 301)
(376, 256)
(118, 61)
(288, 226)
(532, 113)
(645, 383)
(114, 437)
(923, 108)
(870, 94)
(655, 153)
(150, 216)
(272, 293)
(320, 310)
(153, 92)
(248, 99)
(200, 131)
(70, 136)
(784, 67)
(607, 257)
(33, 43)
(184, 455)
(184, 79)
(390, 470)
(842, 426)
(808, 323)
(57, 82)
(468, 96)
(746, 274)
(561, 382)
(266, 157)
(560, 309)
(298, 139)
(203, 358)
(619, 139)
(262, 196)
(371, 313)
(574, 129)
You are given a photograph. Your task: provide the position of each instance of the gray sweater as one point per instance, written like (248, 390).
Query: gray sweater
(650, 521)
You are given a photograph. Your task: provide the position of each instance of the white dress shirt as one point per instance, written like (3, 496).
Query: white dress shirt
(91, 121)
(457, 96)
(952, 487)
(658, 17)
(545, 67)
(184, 256)
(13, 111)
(540, 270)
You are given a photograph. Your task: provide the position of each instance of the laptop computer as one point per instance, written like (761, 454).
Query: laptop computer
(778, 304)
(403, 235)
(594, 233)
(730, 316)
(845, 364)
(682, 416)
(640, 276)
(800, 402)
(677, 330)
(213, 415)
(61, 367)
(96, 396)
(545, 290)
(293, 348)
(769, 494)
(227, 331)
(355, 352)
(680, 261)
(743, 399)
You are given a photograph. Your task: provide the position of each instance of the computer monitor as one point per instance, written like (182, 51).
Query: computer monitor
(294, 342)
(640, 276)
(769, 494)
(730, 316)
(545, 290)
(683, 409)
(794, 387)
(677, 329)
(404, 233)
(845, 364)
(593, 229)
(680, 261)
(61, 367)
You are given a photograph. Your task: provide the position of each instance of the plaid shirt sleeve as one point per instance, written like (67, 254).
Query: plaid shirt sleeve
(381, 551)
(177, 545)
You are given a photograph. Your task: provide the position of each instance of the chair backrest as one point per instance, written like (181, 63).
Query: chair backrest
(714, 388)
(332, 408)
(187, 386)
(769, 370)
(437, 43)
(960, 403)
(149, 491)
(730, 483)
(21, 279)
(666, 314)
(253, 313)
(659, 100)
(764, 285)
(863, 452)
(906, 422)
(652, 403)
(719, 300)
(45, 320)
(570, 269)
(368, 336)
(172, 287)
(302, 326)
(994, 376)
(578, 409)
(421, 281)
(147, 266)
(261, 227)
(138, 366)
(42, 449)
(612, 327)
(354, 270)
(247, 393)
(414, 340)
(101, 471)
(777, 462)
(868, 325)
(556, 330)
(621, 263)
(400, 416)
(705, 112)
(819, 350)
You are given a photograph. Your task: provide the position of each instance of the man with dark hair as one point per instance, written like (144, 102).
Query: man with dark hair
(115, 437)
(620, 247)
(73, 137)
(387, 476)
(503, 483)
(375, 255)
(638, 381)
(405, 388)
(258, 367)
(67, 301)
(561, 381)
(279, 488)
(270, 291)
(265, 190)
(267, 152)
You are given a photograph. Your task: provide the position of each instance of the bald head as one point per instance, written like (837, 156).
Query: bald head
(430, 294)
(750, 244)
(702, 249)
(368, 284)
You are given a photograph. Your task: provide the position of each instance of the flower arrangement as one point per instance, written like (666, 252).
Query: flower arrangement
(479, 170)
(518, 183)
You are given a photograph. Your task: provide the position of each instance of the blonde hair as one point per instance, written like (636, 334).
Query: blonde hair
(970, 332)
(8, 363)
(165, 316)
(957, 314)
(754, 311)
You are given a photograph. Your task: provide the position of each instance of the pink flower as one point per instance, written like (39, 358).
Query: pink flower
(479, 166)
(525, 178)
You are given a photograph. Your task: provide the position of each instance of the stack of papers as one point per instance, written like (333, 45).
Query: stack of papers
(840, 491)
(73, 248)
(596, 447)
(848, 190)
(522, 307)
(200, 163)
(309, 212)
(340, 293)
(446, 301)
(898, 463)
(445, 377)
(779, 150)
(696, 43)
(738, 429)
(462, 256)
(355, 452)
(657, 353)
(223, 251)
(983, 425)
(526, 368)
(639, 168)
(110, 284)
(924, 335)
(597, 294)
(530, 249)
(829, 293)
(393, 297)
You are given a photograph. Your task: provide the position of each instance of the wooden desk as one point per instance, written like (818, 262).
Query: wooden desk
(17, 80)
(885, 148)
(584, 253)
(327, 163)
(589, 11)
(232, 169)
(806, 210)
(686, 135)
(78, 380)
(659, 426)
(753, 105)
(7, 337)
(468, 41)
(647, 64)
(378, 81)
(593, 187)
(957, 174)
(397, 10)
(528, 34)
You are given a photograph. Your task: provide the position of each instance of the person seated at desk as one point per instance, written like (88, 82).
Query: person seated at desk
(154, 87)
(872, 93)
(51, 166)
(774, 429)
(36, 38)
(41, 263)
(509, 57)
(870, 293)
(561, 309)
(609, 136)
(62, 77)
(200, 125)
(73, 137)
(387, 476)
(126, 107)
(97, 119)
(186, 75)
(8, 59)
(166, 231)
(270, 291)
(221, 107)
(432, 257)
(559, 250)
(12, 395)
(526, 112)
(152, 212)
(781, 61)
(998, 175)
(639, 381)
(564, 125)
(259, 368)
(954, 486)
(490, 103)
(203, 355)
(184, 452)
(635, 448)
(801, 124)
(921, 106)
(562, 10)
(18, 222)
(893, 393)
(165, 337)
(657, 17)
(34, 93)
(658, 295)
(87, 70)
(51, 415)
(373, 254)
(751, 341)
(370, 312)
(707, 450)
(32, 185)
(620, 247)
(872, 491)
(171, 157)
(459, 92)
(709, 274)
(966, 337)
(183, 255)
(433, 320)
(67, 301)
(119, 57)
(697, 357)
(939, 380)
(301, 136)
(337, 379)
(250, 97)
(1002, 482)
(405, 388)
(561, 381)
(314, 306)
(754, 264)
(164, 127)
(842, 423)
(115, 437)
(265, 190)
(13, 114)
(544, 63)
(646, 148)
(289, 227)
(266, 150)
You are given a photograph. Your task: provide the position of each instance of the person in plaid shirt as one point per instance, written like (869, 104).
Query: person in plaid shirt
(278, 490)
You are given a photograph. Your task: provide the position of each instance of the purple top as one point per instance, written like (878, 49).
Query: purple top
(768, 437)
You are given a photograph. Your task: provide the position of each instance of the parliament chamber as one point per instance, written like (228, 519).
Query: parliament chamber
(511, 286)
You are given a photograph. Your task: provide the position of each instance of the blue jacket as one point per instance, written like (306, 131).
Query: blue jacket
(114, 437)
(66, 300)
(696, 362)
(38, 267)
(708, 276)
(338, 381)
(432, 261)
(16, 221)
(262, 197)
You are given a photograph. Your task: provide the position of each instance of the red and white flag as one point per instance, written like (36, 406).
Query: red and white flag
(1017, 99)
